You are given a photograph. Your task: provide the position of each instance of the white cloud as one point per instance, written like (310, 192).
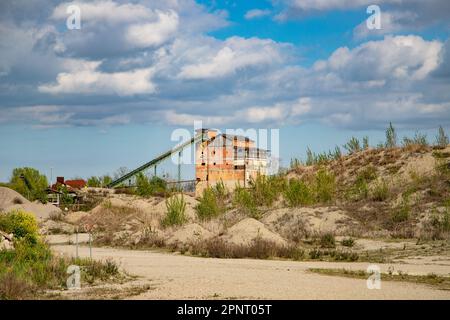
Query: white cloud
(400, 57)
(88, 80)
(257, 13)
(153, 34)
(236, 54)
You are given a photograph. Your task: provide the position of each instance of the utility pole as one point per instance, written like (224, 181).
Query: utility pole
(179, 167)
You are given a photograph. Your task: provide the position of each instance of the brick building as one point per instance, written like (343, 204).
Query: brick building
(231, 158)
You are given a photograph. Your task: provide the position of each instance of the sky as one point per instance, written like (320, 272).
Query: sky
(84, 101)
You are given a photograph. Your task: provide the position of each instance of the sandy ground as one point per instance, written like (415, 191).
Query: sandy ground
(183, 277)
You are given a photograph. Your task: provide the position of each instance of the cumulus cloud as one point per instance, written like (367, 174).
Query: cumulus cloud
(153, 34)
(236, 54)
(86, 79)
(400, 57)
(157, 61)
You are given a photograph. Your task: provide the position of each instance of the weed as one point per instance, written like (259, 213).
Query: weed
(298, 193)
(209, 206)
(327, 240)
(176, 209)
(380, 191)
(244, 202)
(348, 242)
(325, 186)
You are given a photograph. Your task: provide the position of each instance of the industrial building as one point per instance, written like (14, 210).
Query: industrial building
(232, 159)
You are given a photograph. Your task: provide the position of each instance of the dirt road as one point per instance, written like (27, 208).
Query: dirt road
(183, 277)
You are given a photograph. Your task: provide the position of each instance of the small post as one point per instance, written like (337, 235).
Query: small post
(90, 246)
(76, 241)
(179, 168)
(154, 168)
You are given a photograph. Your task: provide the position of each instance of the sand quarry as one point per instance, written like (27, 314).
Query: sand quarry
(128, 229)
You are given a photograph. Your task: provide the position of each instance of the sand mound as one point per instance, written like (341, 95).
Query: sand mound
(10, 200)
(190, 207)
(303, 222)
(76, 217)
(245, 231)
(190, 233)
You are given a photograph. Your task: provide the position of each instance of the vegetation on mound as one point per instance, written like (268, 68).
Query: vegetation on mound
(31, 268)
(176, 211)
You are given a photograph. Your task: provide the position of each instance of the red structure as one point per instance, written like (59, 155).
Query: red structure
(74, 184)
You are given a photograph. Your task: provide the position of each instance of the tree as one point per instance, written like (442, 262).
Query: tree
(391, 136)
(143, 187)
(442, 139)
(30, 183)
(366, 143)
(93, 182)
(105, 180)
(121, 172)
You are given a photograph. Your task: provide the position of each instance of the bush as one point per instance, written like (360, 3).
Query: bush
(176, 208)
(348, 242)
(20, 223)
(327, 240)
(146, 187)
(245, 203)
(442, 139)
(265, 190)
(325, 186)
(391, 137)
(298, 193)
(209, 206)
(353, 145)
(380, 191)
(402, 212)
(418, 140)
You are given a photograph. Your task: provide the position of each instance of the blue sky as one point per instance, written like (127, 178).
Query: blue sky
(86, 102)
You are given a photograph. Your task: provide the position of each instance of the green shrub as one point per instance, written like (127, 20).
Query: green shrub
(418, 139)
(402, 212)
(380, 191)
(176, 209)
(20, 223)
(442, 139)
(327, 240)
(245, 203)
(220, 190)
(265, 190)
(298, 193)
(391, 137)
(348, 242)
(353, 145)
(209, 206)
(325, 186)
(146, 187)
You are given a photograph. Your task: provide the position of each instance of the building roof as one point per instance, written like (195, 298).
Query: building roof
(76, 184)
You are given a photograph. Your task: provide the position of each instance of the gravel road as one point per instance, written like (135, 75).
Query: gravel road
(176, 276)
